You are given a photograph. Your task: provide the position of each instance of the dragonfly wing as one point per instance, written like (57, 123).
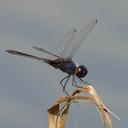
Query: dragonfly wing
(73, 45)
(65, 41)
(60, 47)
(48, 52)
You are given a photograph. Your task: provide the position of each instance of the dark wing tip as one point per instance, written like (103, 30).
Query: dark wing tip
(9, 51)
(96, 21)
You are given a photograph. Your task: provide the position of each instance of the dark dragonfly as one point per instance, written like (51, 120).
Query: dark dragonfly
(71, 43)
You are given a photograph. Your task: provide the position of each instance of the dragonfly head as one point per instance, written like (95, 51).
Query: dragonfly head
(81, 71)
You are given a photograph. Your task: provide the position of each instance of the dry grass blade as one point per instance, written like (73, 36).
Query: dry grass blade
(104, 111)
(58, 112)
(57, 116)
(52, 115)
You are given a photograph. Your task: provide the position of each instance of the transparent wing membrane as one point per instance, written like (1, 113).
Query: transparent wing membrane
(62, 44)
(47, 52)
(68, 46)
(77, 40)
(65, 41)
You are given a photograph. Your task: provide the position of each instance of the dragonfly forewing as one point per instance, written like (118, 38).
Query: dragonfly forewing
(68, 46)
(78, 39)
(47, 52)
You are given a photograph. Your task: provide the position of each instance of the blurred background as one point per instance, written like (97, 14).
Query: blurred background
(26, 85)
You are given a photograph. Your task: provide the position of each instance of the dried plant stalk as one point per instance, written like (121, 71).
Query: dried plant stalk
(57, 116)
(58, 112)
(52, 115)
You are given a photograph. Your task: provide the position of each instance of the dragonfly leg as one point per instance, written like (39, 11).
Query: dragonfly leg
(63, 80)
(63, 86)
(74, 81)
(84, 81)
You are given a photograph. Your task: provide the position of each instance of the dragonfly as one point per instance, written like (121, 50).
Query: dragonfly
(71, 43)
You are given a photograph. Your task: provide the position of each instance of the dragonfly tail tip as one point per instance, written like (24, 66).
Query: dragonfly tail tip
(9, 51)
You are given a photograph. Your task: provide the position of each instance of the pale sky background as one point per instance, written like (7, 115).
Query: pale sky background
(27, 84)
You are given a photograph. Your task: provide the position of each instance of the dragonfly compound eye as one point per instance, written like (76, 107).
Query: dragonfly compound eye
(81, 71)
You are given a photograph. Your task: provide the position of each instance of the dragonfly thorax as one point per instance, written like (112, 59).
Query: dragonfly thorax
(81, 71)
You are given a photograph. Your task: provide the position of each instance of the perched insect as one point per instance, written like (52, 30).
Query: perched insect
(71, 43)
